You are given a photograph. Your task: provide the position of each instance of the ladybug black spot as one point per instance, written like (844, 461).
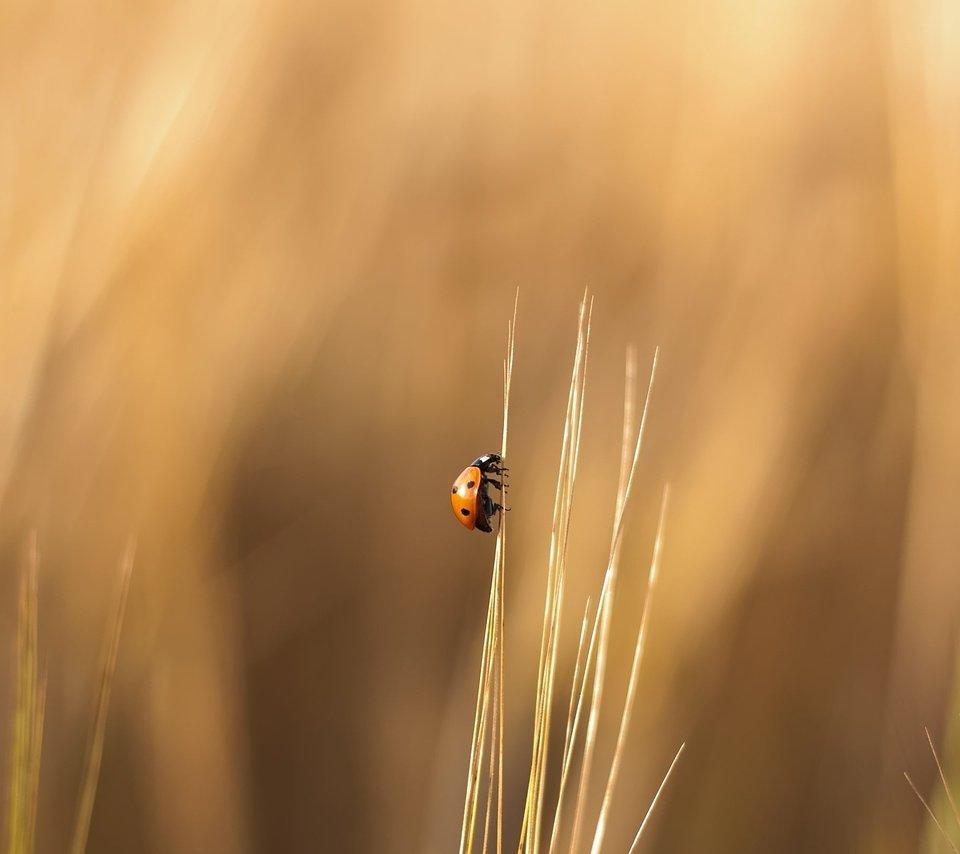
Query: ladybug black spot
(464, 511)
(471, 484)
(454, 490)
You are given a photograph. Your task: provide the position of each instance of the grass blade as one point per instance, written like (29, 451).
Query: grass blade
(930, 812)
(653, 803)
(623, 495)
(634, 673)
(24, 784)
(943, 777)
(556, 567)
(490, 689)
(91, 773)
(575, 726)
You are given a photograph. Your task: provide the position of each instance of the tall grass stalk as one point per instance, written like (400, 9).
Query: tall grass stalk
(24, 782)
(573, 718)
(490, 701)
(932, 814)
(943, 778)
(556, 569)
(656, 797)
(947, 791)
(91, 773)
(593, 642)
(632, 684)
(613, 564)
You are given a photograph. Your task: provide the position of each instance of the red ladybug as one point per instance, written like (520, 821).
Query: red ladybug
(471, 503)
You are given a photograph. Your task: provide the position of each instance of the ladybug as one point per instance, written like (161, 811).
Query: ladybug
(471, 503)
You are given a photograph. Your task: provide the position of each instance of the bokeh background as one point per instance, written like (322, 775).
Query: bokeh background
(256, 264)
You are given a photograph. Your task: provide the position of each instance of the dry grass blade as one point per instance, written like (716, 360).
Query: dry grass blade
(552, 591)
(480, 718)
(629, 416)
(943, 777)
(656, 797)
(502, 537)
(574, 725)
(489, 717)
(623, 495)
(508, 373)
(560, 575)
(930, 812)
(36, 743)
(91, 774)
(24, 784)
(634, 673)
(490, 689)
(577, 679)
(492, 760)
(546, 669)
(499, 569)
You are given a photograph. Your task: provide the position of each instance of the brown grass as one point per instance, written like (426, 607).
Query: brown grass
(947, 792)
(586, 674)
(236, 254)
(490, 691)
(31, 692)
(24, 779)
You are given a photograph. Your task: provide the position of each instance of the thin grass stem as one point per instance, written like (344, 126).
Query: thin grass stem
(653, 803)
(634, 673)
(568, 752)
(91, 774)
(943, 777)
(623, 495)
(30, 702)
(490, 688)
(573, 430)
(930, 812)
(578, 664)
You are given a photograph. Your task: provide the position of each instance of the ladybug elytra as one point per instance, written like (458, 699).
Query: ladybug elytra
(470, 498)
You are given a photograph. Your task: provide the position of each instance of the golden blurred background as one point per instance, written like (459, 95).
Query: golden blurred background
(256, 264)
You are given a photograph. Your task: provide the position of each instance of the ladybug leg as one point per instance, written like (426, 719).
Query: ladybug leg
(489, 506)
(495, 483)
(495, 466)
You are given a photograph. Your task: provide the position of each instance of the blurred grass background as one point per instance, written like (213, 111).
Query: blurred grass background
(256, 262)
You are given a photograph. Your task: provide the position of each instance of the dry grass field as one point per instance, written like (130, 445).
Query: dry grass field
(257, 262)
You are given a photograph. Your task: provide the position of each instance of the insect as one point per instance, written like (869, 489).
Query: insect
(470, 498)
